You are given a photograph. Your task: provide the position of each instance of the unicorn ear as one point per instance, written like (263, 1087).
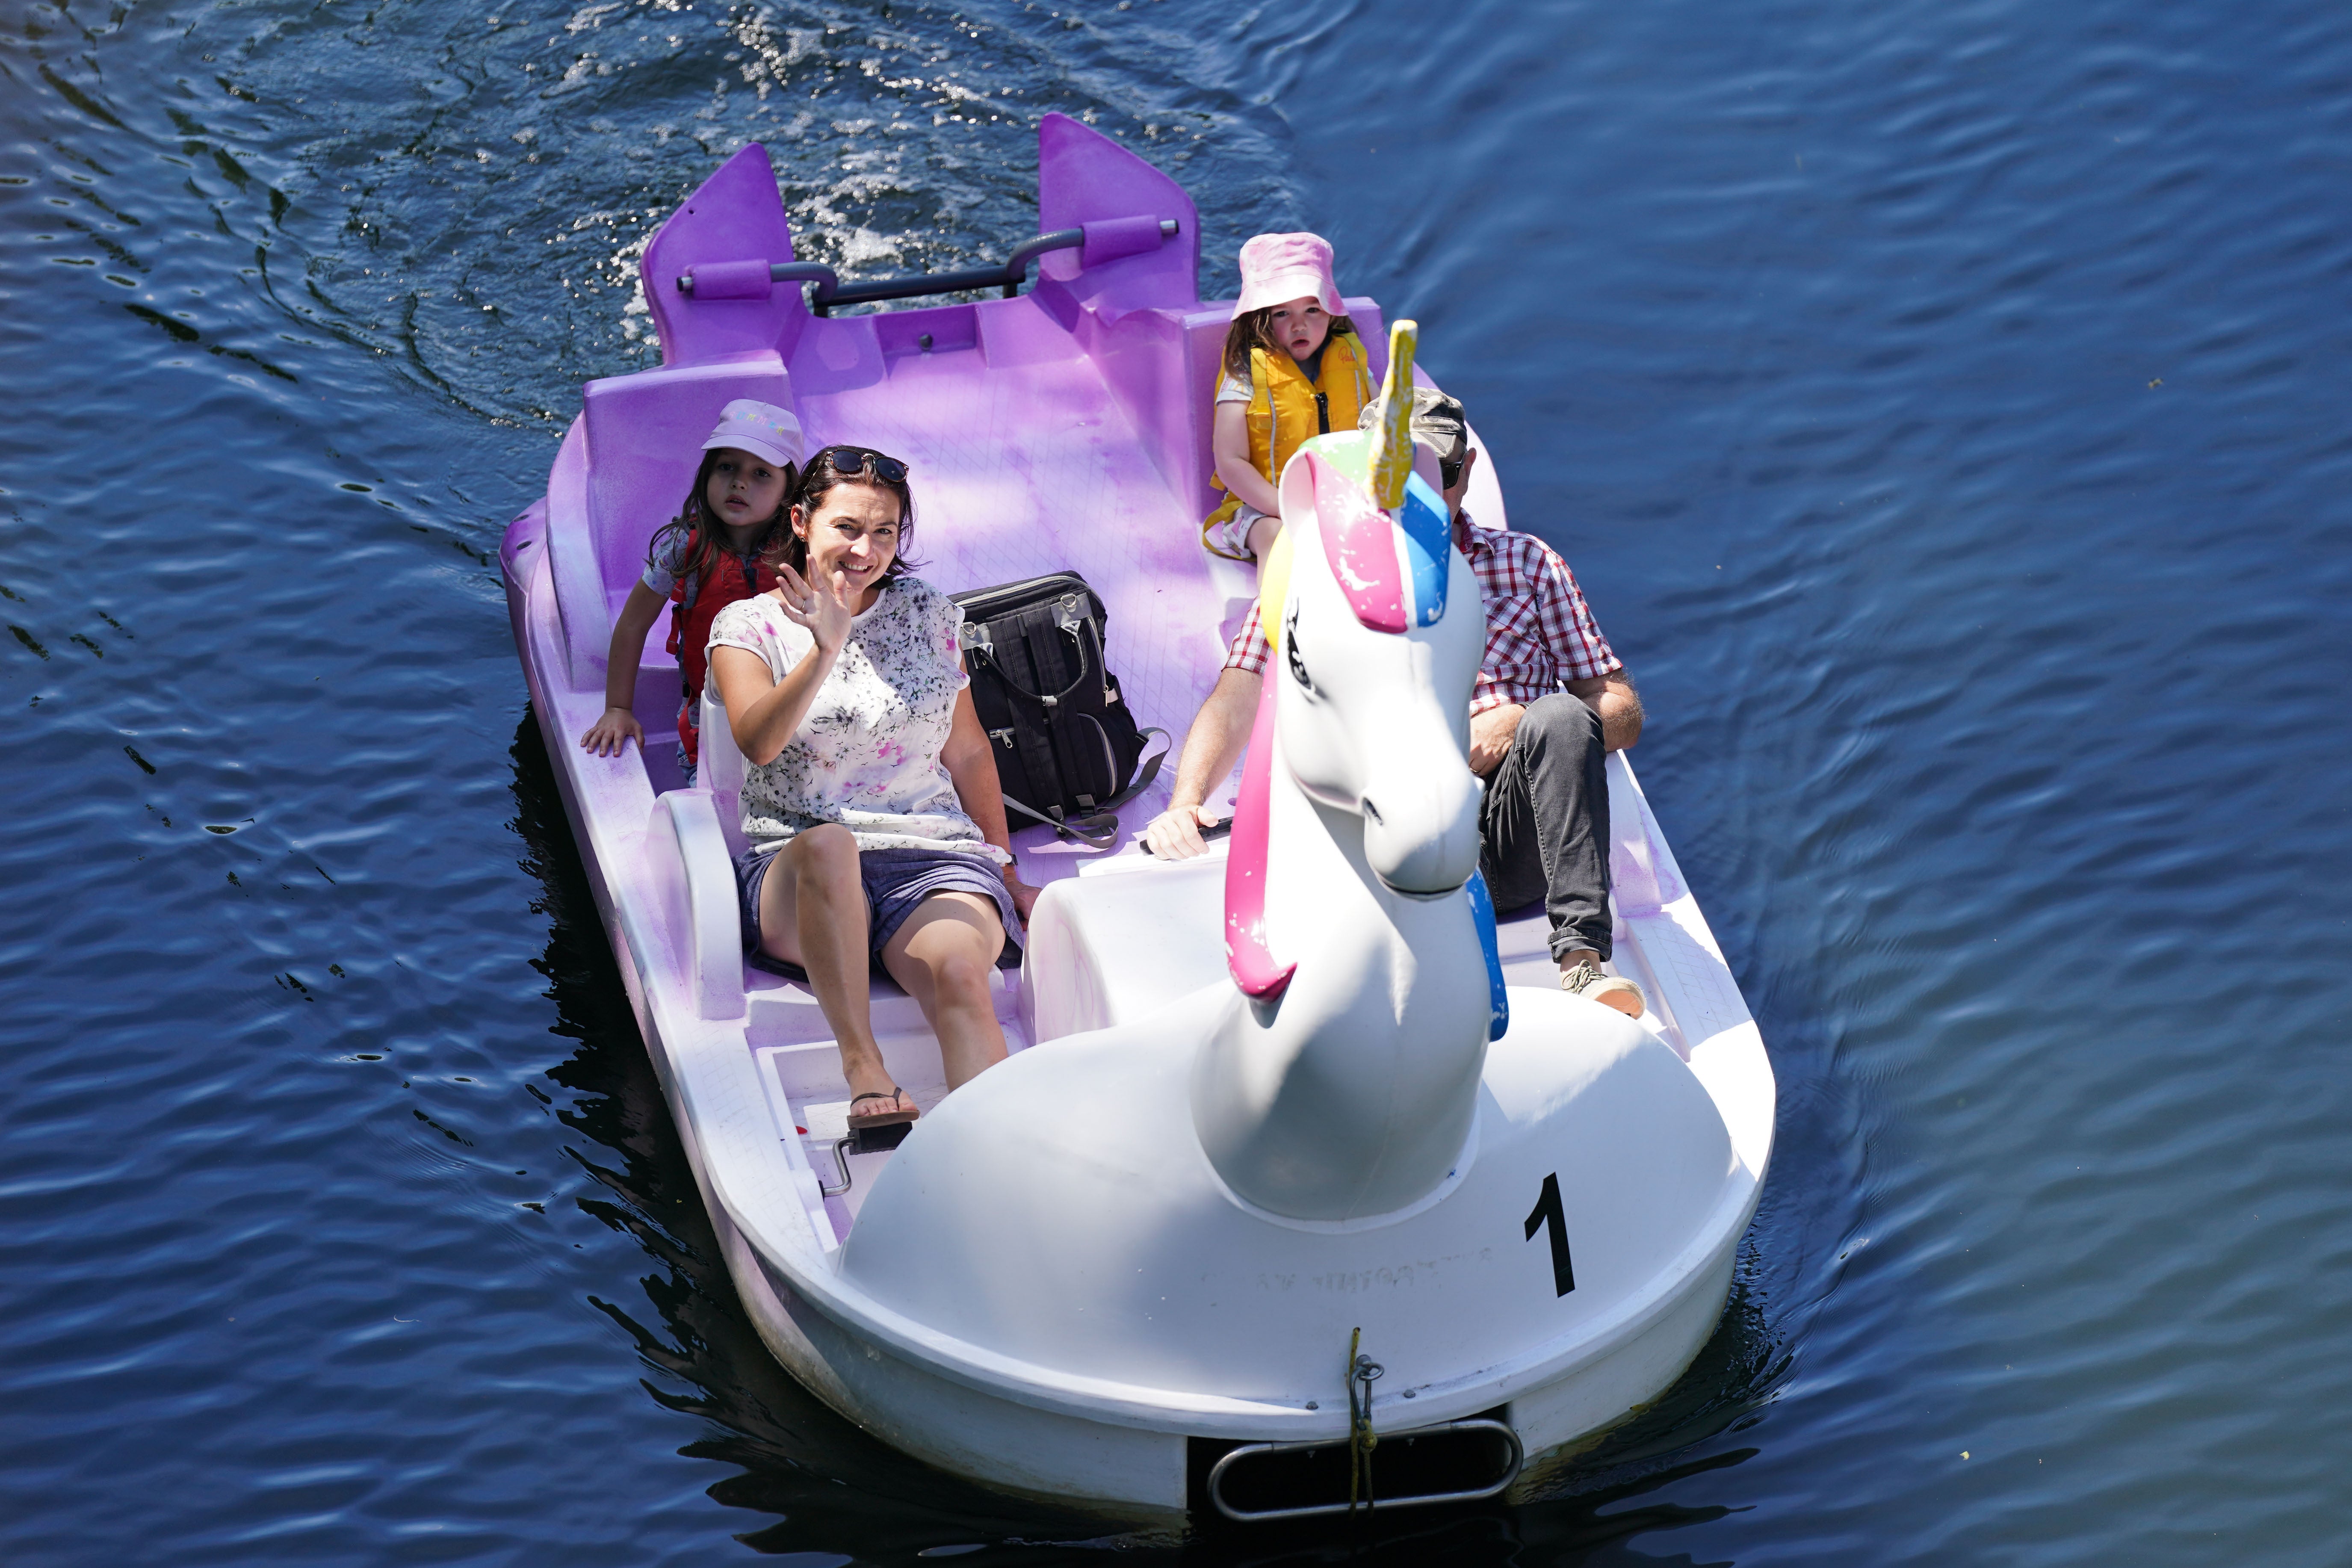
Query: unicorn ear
(1393, 463)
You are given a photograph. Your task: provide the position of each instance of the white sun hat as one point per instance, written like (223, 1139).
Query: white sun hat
(761, 429)
(1279, 268)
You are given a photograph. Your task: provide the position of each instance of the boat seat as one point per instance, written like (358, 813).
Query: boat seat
(1106, 950)
(720, 765)
(642, 435)
(692, 838)
(694, 874)
(719, 774)
(1204, 354)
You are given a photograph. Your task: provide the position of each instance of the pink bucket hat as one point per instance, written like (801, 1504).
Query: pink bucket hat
(1280, 267)
(761, 429)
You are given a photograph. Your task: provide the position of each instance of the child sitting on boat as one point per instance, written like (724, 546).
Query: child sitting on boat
(714, 552)
(1552, 699)
(1294, 367)
(869, 797)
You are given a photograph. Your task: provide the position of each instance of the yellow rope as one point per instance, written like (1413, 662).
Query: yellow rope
(1362, 1439)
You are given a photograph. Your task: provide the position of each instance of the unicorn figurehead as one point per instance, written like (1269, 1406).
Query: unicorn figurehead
(1342, 1083)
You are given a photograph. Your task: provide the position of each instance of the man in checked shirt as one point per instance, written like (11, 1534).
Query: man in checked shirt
(1551, 701)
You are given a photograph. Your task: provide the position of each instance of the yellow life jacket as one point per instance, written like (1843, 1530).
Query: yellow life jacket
(1286, 409)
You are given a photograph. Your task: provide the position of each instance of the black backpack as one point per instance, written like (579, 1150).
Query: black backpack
(1066, 747)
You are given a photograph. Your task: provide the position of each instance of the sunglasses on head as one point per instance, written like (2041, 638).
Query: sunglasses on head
(862, 459)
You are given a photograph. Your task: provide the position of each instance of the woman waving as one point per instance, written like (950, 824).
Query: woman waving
(870, 798)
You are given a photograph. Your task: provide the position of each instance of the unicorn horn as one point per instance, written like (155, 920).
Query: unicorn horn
(1393, 462)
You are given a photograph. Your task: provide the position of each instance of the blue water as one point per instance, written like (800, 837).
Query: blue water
(1942, 403)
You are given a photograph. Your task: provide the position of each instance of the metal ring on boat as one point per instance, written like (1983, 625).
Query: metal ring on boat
(1262, 1516)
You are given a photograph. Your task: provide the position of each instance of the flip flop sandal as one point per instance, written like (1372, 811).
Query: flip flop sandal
(878, 1117)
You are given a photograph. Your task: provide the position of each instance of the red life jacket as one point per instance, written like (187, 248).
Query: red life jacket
(731, 578)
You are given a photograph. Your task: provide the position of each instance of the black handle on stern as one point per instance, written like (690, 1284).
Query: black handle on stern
(831, 290)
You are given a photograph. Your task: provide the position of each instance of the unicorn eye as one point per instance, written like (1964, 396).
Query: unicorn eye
(1290, 650)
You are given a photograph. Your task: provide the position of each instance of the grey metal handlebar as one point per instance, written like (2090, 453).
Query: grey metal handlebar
(831, 290)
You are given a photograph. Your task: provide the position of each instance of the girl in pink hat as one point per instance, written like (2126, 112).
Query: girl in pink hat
(718, 549)
(1294, 367)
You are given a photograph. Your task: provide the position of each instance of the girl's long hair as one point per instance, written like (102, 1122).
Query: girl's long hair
(820, 478)
(695, 535)
(1252, 330)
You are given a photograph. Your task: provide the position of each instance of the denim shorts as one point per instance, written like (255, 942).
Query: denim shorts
(896, 881)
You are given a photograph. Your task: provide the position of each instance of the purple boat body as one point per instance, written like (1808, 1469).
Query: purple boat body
(1063, 428)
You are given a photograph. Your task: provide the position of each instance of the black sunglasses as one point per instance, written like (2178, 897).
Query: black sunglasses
(859, 460)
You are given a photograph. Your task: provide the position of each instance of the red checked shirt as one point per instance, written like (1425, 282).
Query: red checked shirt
(1539, 635)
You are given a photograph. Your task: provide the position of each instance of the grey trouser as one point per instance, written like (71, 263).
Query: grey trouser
(1543, 828)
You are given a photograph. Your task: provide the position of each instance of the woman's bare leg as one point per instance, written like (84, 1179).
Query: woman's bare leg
(943, 956)
(812, 913)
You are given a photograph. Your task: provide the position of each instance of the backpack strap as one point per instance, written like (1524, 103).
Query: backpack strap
(1070, 621)
(1147, 771)
(1034, 742)
(1098, 829)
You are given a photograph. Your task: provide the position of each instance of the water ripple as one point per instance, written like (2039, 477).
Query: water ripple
(1936, 402)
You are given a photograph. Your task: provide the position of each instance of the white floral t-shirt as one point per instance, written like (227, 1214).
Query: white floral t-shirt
(868, 753)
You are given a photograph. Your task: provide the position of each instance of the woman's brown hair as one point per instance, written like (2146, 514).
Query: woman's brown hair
(1252, 330)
